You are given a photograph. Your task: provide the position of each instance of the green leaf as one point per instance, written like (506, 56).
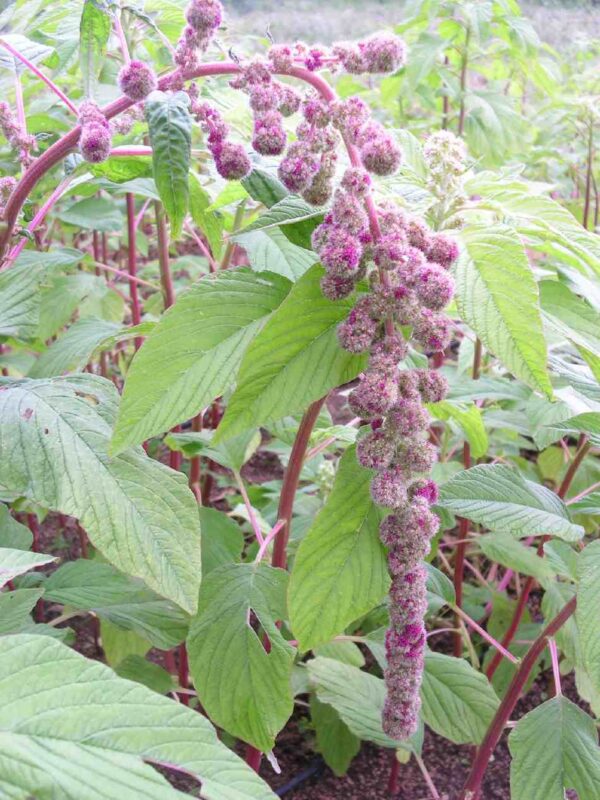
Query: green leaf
(570, 315)
(440, 589)
(209, 222)
(293, 361)
(232, 454)
(458, 702)
(142, 516)
(288, 210)
(264, 187)
(12, 533)
(121, 169)
(498, 497)
(20, 300)
(506, 550)
(243, 688)
(118, 643)
(553, 748)
(170, 128)
(35, 52)
(497, 296)
(94, 31)
(272, 250)
(470, 420)
(72, 351)
(15, 609)
(335, 741)
(16, 562)
(124, 601)
(93, 213)
(587, 614)
(357, 697)
(193, 354)
(51, 743)
(340, 570)
(138, 669)
(222, 539)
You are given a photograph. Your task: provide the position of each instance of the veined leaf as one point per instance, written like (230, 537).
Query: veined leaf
(193, 354)
(93, 213)
(506, 550)
(94, 31)
(264, 187)
(335, 741)
(340, 570)
(54, 438)
(20, 300)
(35, 52)
(570, 315)
(587, 614)
(170, 128)
(288, 210)
(93, 586)
(501, 499)
(293, 361)
(209, 222)
(469, 419)
(357, 697)
(51, 743)
(272, 250)
(497, 296)
(12, 534)
(222, 539)
(73, 350)
(15, 562)
(244, 688)
(458, 702)
(553, 748)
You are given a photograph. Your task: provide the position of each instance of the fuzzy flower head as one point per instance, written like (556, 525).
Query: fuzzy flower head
(388, 487)
(442, 250)
(434, 286)
(375, 394)
(204, 16)
(407, 417)
(356, 181)
(348, 212)
(432, 330)
(444, 152)
(349, 116)
(379, 152)
(289, 101)
(298, 167)
(383, 53)
(431, 384)
(269, 135)
(336, 287)
(7, 184)
(137, 80)
(375, 450)
(358, 330)
(231, 161)
(281, 57)
(341, 252)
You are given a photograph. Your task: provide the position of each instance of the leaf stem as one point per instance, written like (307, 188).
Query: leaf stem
(32, 68)
(251, 515)
(136, 311)
(555, 666)
(473, 783)
(487, 636)
(268, 539)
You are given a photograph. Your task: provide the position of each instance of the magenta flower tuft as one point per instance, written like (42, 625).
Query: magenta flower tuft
(137, 80)
(269, 136)
(383, 53)
(231, 161)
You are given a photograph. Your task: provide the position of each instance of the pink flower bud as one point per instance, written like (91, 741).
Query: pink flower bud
(137, 80)
(231, 161)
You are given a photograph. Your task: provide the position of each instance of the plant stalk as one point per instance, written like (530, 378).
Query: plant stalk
(136, 311)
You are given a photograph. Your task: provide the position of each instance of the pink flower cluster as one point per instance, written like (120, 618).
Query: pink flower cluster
(381, 53)
(95, 138)
(14, 133)
(203, 17)
(270, 102)
(137, 80)
(409, 286)
(231, 159)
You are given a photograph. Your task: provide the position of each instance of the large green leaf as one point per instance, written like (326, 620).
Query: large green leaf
(553, 748)
(193, 354)
(73, 350)
(222, 539)
(15, 609)
(501, 499)
(124, 601)
(546, 224)
(570, 315)
(93, 213)
(272, 250)
(71, 728)
(142, 516)
(12, 533)
(170, 127)
(357, 696)
(340, 570)
(20, 300)
(335, 741)
(243, 688)
(506, 550)
(293, 361)
(94, 30)
(470, 419)
(458, 702)
(587, 614)
(497, 296)
(15, 562)
(209, 222)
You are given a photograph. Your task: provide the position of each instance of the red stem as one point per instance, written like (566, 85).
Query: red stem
(136, 312)
(392, 786)
(472, 786)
